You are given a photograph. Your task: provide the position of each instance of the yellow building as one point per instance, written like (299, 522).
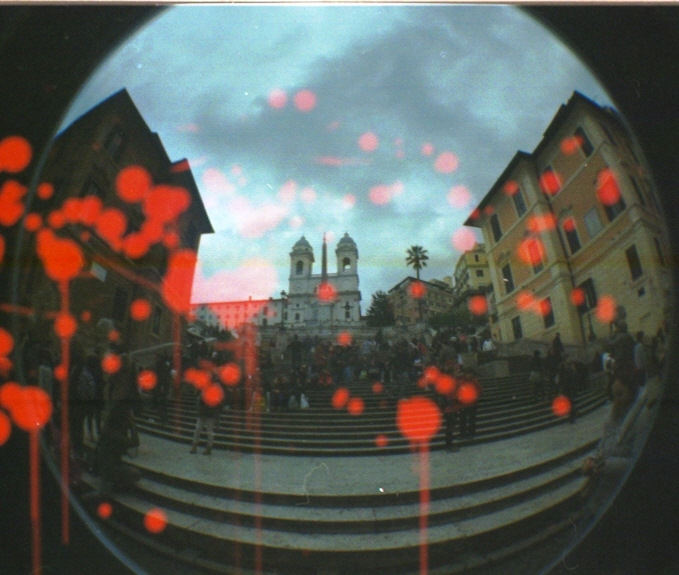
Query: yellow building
(472, 275)
(414, 301)
(126, 258)
(573, 231)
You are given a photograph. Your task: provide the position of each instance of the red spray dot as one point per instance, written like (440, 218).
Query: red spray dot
(326, 292)
(56, 219)
(199, 378)
(15, 154)
(459, 197)
(607, 190)
(463, 239)
(33, 222)
(65, 325)
(176, 286)
(45, 191)
(140, 309)
(446, 163)
(111, 225)
(213, 395)
(62, 258)
(147, 380)
(111, 363)
(135, 245)
(5, 367)
(9, 395)
(71, 209)
(380, 194)
(171, 240)
(378, 387)
(166, 203)
(417, 290)
(445, 384)
(418, 419)
(427, 149)
(133, 183)
(578, 297)
(570, 145)
(510, 188)
(381, 440)
(368, 142)
(11, 205)
(155, 520)
(113, 335)
(340, 397)
(6, 342)
(86, 316)
(344, 339)
(60, 372)
(531, 251)
(230, 374)
(90, 210)
(278, 99)
(525, 300)
(5, 428)
(569, 224)
(561, 406)
(305, 100)
(105, 510)
(32, 408)
(550, 182)
(355, 406)
(606, 309)
(467, 393)
(540, 224)
(478, 304)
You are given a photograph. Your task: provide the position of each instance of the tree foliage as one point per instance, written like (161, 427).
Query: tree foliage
(380, 312)
(416, 258)
(457, 317)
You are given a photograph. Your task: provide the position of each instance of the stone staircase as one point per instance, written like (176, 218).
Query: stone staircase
(310, 492)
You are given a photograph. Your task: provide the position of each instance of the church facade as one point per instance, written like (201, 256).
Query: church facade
(324, 298)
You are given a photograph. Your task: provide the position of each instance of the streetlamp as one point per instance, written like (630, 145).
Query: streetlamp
(284, 306)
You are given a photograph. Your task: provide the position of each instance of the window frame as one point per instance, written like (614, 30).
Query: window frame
(634, 262)
(507, 278)
(547, 317)
(517, 328)
(495, 227)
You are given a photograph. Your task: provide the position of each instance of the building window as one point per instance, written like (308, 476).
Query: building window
(634, 262)
(479, 273)
(571, 235)
(583, 140)
(615, 210)
(589, 300)
(299, 268)
(296, 317)
(264, 322)
(637, 189)
(155, 320)
(495, 226)
(347, 314)
(346, 264)
(516, 328)
(115, 143)
(547, 312)
(593, 222)
(119, 308)
(519, 204)
(658, 247)
(608, 134)
(476, 257)
(508, 279)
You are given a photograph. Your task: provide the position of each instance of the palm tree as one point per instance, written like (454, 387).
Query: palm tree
(417, 258)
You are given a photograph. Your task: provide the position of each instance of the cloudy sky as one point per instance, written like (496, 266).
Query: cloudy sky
(390, 123)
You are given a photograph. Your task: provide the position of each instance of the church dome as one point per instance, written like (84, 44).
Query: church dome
(346, 242)
(302, 246)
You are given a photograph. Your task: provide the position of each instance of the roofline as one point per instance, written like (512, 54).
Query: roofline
(415, 280)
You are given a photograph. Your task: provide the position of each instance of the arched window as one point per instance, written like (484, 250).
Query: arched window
(299, 268)
(346, 264)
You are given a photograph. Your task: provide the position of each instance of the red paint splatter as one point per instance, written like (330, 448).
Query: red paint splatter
(33, 222)
(378, 387)
(288, 191)
(171, 240)
(467, 393)
(15, 154)
(278, 99)
(6, 366)
(544, 307)
(6, 342)
(326, 292)
(540, 224)
(11, 205)
(445, 384)
(308, 195)
(475, 215)
(607, 190)
(510, 188)
(459, 197)
(417, 290)
(56, 219)
(340, 397)
(550, 182)
(45, 191)
(305, 100)
(418, 419)
(90, 210)
(147, 380)
(199, 378)
(133, 183)
(489, 210)
(446, 163)
(176, 286)
(5, 428)
(561, 406)
(525, 300)
(355, 406)
(105, 510)
(155, 520)
(230, 374)
(349, 201)
(478, 305)
(463, 239)
(140, 309)
(427, 149)
(31, 408)
(113, 335)
(344, 339)
(111, 363)
(577, 297)
(86, 316)
(606, 309)
(380, 194)
(531, 251)
(60, 372)
(368, 142)
(166, 203)
(71, 210)
(111, 225)
(213, 395)
(62, 258)
(569, 224)
(381, 440)
(570, 145)
(65, 325)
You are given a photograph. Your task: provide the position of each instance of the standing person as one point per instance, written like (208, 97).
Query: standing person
(536, 376)
(558, 348)
(639, 354)
(296, 350)
(451, 412)
(208, 414)
(163, 386)
(469, 392)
